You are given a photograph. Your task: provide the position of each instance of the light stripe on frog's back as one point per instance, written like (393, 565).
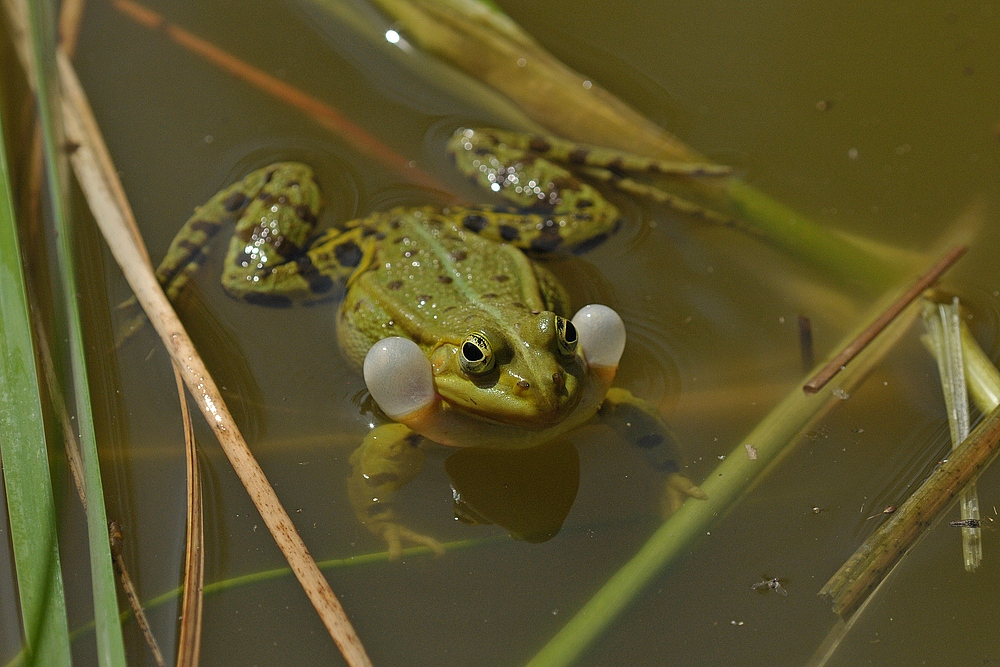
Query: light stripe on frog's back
(503, 281)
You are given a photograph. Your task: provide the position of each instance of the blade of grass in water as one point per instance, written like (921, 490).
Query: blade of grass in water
(30, 507)
(771, 439)
(110, 647)
(944, 327)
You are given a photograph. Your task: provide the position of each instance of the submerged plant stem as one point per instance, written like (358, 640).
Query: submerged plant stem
(770, 439)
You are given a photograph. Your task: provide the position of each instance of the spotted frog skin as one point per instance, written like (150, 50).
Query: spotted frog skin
(506, 369)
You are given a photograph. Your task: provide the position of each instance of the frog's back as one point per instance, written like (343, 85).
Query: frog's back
(432, 280)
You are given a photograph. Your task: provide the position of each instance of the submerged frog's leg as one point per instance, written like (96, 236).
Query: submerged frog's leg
(387, 459)
(638, 422)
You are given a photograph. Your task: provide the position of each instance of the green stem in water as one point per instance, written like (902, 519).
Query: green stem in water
(724, 486)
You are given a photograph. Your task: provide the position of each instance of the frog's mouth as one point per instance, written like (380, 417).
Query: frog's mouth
(538, 402)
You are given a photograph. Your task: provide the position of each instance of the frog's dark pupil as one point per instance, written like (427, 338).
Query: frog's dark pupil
(471, 352)
(570, 332)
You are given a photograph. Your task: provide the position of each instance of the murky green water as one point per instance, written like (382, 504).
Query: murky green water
(907, 143)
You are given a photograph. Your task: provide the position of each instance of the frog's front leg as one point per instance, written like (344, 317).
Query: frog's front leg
(638, 422)
(387, 459)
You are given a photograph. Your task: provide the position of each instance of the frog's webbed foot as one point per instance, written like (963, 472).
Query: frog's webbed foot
(394, 534)
(639, 423)
(676, 489)
(387, 459)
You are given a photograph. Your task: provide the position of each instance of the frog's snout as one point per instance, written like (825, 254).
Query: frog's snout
(602, 335)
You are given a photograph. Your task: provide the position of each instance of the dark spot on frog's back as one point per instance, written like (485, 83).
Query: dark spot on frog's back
(348, 254)
(394, 285)
(203, 226)
(474, 222)
(548, 239)
(509, 233)
(616, 167)
(459, 255)
(539, 145)
(447, 280)
(501, 278)
(305, 214)
(578, 156)
(319, 283)
(235, 202)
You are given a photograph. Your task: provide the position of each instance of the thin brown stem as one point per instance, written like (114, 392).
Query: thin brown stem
(825, 374)
(189, 641)
(117, 547)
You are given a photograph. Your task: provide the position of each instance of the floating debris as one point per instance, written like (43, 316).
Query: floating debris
(889, 509)
(772, 584)
(751, 451)
(840, 393)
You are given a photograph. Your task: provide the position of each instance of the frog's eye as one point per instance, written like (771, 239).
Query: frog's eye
(602, 335)
(566, 336)
(476, 354)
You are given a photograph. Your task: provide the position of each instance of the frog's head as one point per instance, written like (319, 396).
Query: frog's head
(532, 380)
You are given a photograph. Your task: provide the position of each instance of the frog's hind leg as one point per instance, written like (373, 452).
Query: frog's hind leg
(688, 208)
(307, 275)
(534, 173)
(638, 422)
(286, 184)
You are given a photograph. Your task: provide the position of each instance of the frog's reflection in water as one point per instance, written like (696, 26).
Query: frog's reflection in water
(527, 492)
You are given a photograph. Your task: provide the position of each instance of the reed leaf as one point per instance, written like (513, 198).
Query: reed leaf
(30, 506)
(41, 24)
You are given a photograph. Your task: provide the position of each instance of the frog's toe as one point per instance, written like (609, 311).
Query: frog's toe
(676, 489)
(394, 534)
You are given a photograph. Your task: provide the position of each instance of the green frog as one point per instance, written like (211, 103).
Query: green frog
(464, 337)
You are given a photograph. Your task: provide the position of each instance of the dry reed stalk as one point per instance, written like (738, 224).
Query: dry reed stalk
(844, 357)
(189, 641)
(131, 259)
(70, 14)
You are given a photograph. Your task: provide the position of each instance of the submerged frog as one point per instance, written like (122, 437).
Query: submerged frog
(463, 338)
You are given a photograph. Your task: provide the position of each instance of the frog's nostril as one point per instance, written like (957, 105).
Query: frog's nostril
(524, 384)
(558, 380)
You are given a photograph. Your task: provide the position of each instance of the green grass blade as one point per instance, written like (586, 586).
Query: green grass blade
(30, 506)
(110, 647)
